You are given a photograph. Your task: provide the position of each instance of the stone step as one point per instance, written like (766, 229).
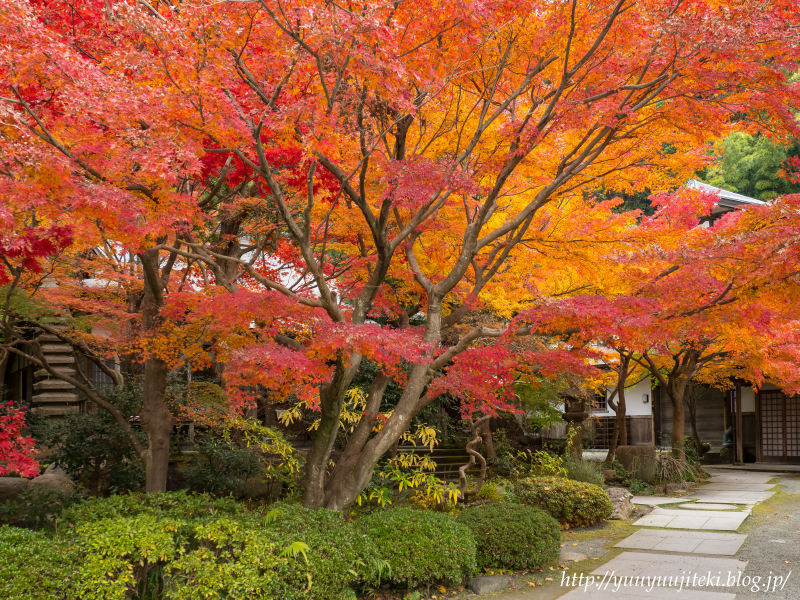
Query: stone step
(48, 337)
(61, 359)
(55, 398)
(45, 374)
(56, 348)
(52, 384)
(55, 410)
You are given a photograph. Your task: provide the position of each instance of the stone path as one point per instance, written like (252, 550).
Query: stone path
(696, 542)
(676, 518)
(676, 554)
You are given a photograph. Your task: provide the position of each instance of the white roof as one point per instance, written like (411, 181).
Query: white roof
(726, 198)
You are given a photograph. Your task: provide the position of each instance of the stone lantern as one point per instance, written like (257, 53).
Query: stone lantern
(574, 414)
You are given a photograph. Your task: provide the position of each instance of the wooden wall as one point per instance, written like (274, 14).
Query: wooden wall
(710, 418)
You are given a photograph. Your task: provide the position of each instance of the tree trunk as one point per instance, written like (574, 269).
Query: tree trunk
(488, 441)
(621, 415)
(331, 399)
(156, 419)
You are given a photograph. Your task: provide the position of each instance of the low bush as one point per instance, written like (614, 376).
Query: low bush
(339, 555)
(178, 505)
(572, 503)
(93, 448)
(512, 535)
(35, 567)
(421, 546)
(489, 491)
(157, 547)
(580, 469)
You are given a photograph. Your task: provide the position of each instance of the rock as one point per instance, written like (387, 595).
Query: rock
(621, 498)
(55, 482)
(489, 584)
(11, 487)
(52, 469)
(639, 460)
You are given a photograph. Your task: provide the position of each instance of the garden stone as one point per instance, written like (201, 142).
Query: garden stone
(621, 498)
(52, 469)
(262, 488)
(55, 482)
(11, 487)
(487, 585)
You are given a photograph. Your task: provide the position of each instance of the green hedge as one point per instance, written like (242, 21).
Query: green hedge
(512, 535)
(421, 546)
(571, 502)
(35, 567)
(339, 555)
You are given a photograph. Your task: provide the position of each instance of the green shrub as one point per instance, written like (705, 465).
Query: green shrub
(148, 556)
(93, 448)
(221, 467)
(512, 535)
(580, 469)
(570, 502)
(35, 567)
(421, 546)
(178, 505)
(489, 491)
(339, 555)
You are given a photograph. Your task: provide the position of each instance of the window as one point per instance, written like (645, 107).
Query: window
(599, 403)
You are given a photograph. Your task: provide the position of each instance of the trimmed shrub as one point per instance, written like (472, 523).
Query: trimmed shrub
(178, 505)
(512, 535)
(421, 546)
(149, 556)
(35, 567)
(580, 469)
(489, 491)
(339, 555)
(572, 503)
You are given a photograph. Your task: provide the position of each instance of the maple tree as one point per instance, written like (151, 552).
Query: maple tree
(309, 170)
(696, 304)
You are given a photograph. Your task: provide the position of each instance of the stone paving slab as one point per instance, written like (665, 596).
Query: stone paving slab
(708, 506)
(738, 487)
(641, 592)
(683, 519)
(696, 542)
(724, 497)
(739, 477)
(655, 500)
(647, 564)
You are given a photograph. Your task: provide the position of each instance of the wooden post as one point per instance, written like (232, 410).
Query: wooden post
(739, 436)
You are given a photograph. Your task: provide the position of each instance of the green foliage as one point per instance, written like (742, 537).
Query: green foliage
(580, 469)
(171, 505)
(221, 467)
(35, 567)
(93, 448)
(489, 491)
(540, 400)
(339, 556)
(421, 546)
(512, 535)
(147, 556)
(749, 165)
(37, 509)
(570, 502)
(640, 487)
(237, 450)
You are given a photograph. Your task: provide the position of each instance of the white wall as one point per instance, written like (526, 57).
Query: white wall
(633, 401)
(748, 400)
